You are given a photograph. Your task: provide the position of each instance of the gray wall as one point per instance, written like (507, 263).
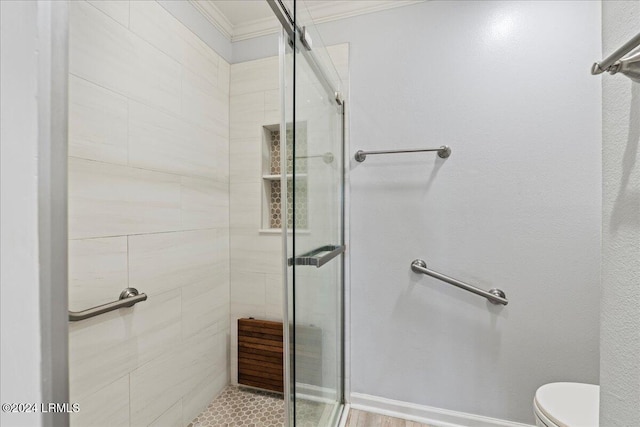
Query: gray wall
(517, 206)
(620, 320)
(20, 288)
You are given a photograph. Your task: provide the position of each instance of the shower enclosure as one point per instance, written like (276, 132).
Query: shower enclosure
(313, 116)
(198, 189)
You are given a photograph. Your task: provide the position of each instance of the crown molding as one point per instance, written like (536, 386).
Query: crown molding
(209, 10)
(255, 28)
(321, 13)
(346, 9)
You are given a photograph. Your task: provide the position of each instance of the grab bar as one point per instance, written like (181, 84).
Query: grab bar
(128, 298)
(443, 152)
(315, 258)
(495, 296)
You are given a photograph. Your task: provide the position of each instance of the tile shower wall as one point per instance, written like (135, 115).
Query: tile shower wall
(148, 208)
(256, 266)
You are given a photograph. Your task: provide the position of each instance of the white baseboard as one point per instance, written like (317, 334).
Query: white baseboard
(435, 417)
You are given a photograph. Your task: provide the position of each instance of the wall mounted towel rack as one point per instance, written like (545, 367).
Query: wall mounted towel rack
(495, 296)
(443, 152)
(616, 63)
(128, 298)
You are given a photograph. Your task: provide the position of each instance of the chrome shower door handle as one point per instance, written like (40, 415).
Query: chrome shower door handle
(317, 257)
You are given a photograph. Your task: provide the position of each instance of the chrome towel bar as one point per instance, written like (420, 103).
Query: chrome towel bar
(495, 296)
(128, 298)
(443, 152)
(616, 63)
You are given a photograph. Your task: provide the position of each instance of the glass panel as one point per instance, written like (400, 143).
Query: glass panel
(304, 18)
(315, 278)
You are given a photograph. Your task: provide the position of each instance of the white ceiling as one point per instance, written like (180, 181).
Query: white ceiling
(244, 19)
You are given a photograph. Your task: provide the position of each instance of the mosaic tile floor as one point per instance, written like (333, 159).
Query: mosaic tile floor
(239, 406)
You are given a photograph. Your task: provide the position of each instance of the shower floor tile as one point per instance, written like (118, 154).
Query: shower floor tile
(239, 406)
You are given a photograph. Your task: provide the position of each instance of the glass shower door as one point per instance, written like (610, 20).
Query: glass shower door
(316, 245)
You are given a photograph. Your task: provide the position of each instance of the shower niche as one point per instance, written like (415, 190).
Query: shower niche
(273, 214)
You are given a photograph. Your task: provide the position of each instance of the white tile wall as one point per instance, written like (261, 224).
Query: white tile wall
(97, 123)
(116, 9)
(156, 386)
(154, 77)
(224, 70)
(204, 104)
(97, 271)
(113, 200)
(172, 417)
(204, 306)
(163, 142)
(164, 261)
(246, 159)
(204, 203)
(252, 255)
(272, 107)
(100, 49)
(152, 23)
(254, 76)
(148, 208)
(255, 252)
(247, 114)
(96, 412)
(246, 206)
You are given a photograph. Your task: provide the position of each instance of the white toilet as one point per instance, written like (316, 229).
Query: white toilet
(567, 405)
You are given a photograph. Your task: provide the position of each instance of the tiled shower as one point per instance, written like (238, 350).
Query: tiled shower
(173, 190)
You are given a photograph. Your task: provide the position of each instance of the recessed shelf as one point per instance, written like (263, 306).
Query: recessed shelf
(276, 193)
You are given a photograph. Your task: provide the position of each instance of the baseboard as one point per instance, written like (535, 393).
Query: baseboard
(435, 417)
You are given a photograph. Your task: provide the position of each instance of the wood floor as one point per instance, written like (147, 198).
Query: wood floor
(367, 419)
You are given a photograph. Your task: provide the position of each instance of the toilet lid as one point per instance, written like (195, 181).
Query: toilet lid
(569, 404)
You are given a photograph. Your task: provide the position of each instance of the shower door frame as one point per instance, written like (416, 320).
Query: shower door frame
(291, 31)
(52, 101)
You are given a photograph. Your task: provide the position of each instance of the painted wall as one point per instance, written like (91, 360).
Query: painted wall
(517, 205)
(20, 316)
(620, 315)
(148, 208)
